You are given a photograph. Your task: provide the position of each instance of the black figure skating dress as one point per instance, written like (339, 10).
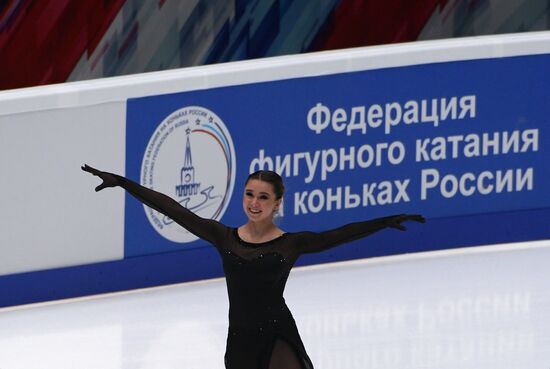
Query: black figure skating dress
(262, 332)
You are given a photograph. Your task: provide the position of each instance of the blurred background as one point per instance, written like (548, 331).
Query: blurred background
(53, 41)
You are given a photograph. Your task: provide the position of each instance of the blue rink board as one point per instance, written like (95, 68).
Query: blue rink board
(204, 263)
(511, 95)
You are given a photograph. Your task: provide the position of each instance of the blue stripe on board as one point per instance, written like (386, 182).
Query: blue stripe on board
(204, 263)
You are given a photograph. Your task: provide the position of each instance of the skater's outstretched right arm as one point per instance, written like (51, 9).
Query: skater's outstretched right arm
(207, 229)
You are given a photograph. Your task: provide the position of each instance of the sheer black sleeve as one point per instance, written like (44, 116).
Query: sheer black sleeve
(310, 242)
(207, 229)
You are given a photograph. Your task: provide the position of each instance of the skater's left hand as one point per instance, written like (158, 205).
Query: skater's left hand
(395, 222)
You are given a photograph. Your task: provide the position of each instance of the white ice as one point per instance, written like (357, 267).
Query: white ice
(483, 307)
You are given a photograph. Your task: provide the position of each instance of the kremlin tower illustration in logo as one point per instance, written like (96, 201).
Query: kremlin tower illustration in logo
(188, 186)
(190, 157)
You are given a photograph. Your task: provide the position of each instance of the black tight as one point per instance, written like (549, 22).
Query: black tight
(284, 356)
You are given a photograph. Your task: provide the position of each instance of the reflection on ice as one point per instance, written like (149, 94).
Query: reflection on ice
(463, 310)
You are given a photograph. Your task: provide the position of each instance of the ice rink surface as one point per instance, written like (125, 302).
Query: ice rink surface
(477, 308)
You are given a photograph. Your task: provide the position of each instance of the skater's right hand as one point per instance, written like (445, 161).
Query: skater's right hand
(109, 179)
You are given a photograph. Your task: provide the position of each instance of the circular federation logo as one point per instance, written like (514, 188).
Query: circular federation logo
(190, 157)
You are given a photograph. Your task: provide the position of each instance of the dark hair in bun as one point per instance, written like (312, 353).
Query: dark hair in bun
(270, 177)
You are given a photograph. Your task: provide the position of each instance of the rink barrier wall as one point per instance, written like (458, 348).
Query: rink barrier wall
(180, 266)
(59, 239)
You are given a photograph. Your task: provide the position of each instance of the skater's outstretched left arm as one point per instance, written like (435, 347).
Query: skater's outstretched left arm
(310, 242)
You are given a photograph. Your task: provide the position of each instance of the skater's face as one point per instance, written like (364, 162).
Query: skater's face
(259, 200)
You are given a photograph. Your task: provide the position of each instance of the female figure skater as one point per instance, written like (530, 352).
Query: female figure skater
(257, 258)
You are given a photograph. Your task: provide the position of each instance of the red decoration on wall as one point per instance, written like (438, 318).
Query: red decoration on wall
(41, 41)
